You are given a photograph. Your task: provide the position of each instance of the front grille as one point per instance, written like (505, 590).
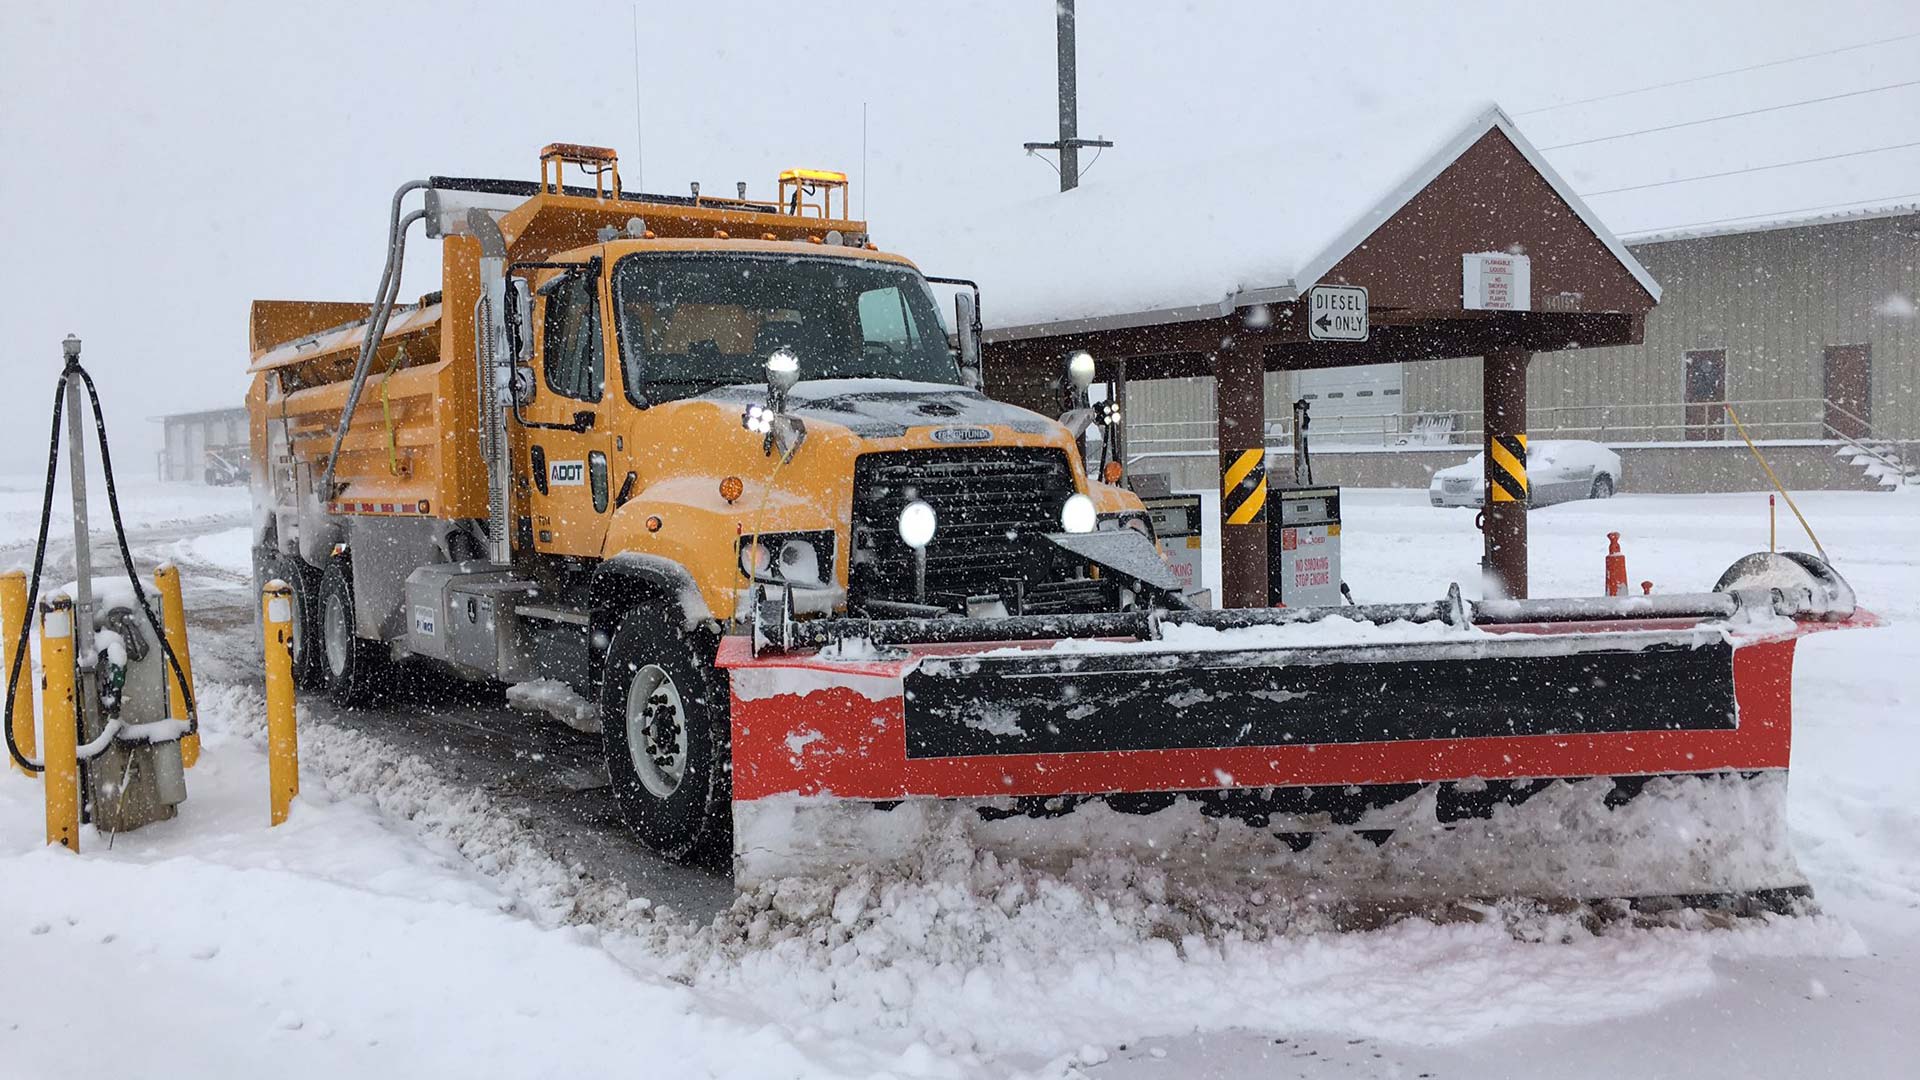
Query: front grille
(987, 500)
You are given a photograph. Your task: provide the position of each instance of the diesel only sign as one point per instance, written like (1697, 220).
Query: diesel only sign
(1337, 313)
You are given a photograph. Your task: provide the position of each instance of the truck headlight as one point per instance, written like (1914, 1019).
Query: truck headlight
(802, 559)
(1078, 515)
(917, 523)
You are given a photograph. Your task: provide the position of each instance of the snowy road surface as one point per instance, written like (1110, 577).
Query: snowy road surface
(453, 895)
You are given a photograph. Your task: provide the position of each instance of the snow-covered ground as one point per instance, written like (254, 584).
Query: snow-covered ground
(402, 922)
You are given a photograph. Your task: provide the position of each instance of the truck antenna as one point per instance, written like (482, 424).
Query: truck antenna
(640, 141)
(863, 161)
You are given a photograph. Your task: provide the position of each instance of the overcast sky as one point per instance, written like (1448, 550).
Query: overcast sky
(163, 165)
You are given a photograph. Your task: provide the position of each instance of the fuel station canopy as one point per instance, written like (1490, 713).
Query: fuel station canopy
(1464, 240)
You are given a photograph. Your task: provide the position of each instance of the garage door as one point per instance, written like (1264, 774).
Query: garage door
(1352, 405)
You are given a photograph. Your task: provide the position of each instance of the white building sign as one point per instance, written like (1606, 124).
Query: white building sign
(1496, 281)
(1337, 313)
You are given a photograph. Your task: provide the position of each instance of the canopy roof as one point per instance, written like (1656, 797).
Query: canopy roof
(1261, 226)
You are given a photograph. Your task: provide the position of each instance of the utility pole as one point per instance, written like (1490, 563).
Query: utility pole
(1070, 141)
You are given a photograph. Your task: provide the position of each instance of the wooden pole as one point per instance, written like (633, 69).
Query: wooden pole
(1239, 403)
(1504, 397)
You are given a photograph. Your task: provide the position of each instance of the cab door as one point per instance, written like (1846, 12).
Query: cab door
(567, 426)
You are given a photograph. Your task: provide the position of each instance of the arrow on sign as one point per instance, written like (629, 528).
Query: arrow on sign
(1323, 322)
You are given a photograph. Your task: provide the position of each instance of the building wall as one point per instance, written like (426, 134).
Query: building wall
(1773, 300)
(186, 438)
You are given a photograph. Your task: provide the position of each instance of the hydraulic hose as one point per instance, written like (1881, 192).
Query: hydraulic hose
(383, 298)
(72, 369)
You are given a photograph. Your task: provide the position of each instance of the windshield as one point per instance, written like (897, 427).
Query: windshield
(688, 323)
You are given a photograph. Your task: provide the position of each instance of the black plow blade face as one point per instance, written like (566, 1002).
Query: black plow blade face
(1068, 703)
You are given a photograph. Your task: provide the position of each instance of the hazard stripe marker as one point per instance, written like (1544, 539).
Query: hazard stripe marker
(1507, 456)
(1243, 488)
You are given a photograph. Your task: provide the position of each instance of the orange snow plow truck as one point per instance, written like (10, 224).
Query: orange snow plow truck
(714, 476)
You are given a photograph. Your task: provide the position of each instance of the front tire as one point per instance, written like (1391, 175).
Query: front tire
(1602, 487)
(304, 580)
(353, 670)
(665, 714)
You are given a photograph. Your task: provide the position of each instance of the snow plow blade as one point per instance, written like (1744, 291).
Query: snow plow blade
(1585, 749)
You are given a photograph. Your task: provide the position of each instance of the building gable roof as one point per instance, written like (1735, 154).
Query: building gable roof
(1257, 227)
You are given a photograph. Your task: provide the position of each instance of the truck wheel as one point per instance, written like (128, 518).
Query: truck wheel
(354, 670)
(305, 582)
(664, 709)
(1602, 487)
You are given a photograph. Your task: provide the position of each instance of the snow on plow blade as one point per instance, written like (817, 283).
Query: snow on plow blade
(1581, 749)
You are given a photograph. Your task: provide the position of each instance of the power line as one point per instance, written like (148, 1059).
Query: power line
(1733, 115)
(1721, 74)
(1885, 201)
(1751, 169)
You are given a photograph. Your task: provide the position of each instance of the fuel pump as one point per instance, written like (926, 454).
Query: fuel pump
(132, 702)
(1303, 553)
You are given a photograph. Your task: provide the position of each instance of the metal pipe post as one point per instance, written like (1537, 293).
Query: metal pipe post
(86, 654)
(173, 615)
(1240, 405)
(15, 610)
(1504, 397)
(60, 725)
(283, 742)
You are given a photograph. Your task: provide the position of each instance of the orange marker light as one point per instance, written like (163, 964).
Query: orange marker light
(654, 523)
(1112, 472)
(731, 487)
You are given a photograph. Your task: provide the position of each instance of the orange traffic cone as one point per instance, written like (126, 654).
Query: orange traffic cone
(1616, 567)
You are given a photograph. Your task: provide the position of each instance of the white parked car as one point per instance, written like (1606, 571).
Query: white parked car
(1558, 470)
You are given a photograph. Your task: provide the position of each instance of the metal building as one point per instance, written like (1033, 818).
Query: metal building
(209, 446)
(1807, 331)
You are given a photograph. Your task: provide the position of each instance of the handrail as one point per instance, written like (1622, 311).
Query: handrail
(1545, 421)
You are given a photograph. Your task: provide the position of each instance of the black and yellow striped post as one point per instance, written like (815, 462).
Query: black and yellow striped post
(1507, 468)
(1240, 403)
(1504, 392)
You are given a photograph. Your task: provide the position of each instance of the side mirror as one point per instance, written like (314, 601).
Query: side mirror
(966, 320)
(771, 420)
(1080, 370)
(1080, 413)
(783, 371)
(519, 315)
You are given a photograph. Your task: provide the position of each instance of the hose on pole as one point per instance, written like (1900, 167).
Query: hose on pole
(72, 370)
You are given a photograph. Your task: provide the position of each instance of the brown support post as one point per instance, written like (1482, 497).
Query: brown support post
(1504, 397)
(1239, 404)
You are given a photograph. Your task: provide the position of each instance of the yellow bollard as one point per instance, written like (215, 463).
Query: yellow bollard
(61, 724)
(283, 743)
(173, 614)
(14, 615)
